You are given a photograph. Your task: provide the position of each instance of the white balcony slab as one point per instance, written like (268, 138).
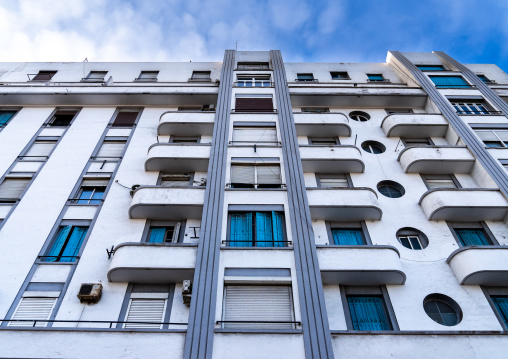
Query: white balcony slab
(480, 265)
(179, 157)
(169, 203)
(152, 263)
(186, 123)
(322, 124)
(344, 204)
(414, 125)
(360, 265)
(466, 204)
(331, 159)
(436, 159)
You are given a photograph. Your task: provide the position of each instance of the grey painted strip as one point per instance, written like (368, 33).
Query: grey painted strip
(316, 332)
(258, 272)
(199, 339)
(256, 207)
(476, 146)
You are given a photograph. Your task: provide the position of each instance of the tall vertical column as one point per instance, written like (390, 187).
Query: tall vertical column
(316, 331)
(199, 339)
(476, 146)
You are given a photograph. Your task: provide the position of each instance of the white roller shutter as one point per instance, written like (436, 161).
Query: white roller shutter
(33, 308)
(254, 134)
(258, 303)
(243, 174)
(95, 182)
(269, 174)
(334, 182)
(111, 149)
(12, 188)
(40, 149)
(145, 310)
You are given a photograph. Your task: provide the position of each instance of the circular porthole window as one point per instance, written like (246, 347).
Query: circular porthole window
(442, 309)
(359, 116)
(373, 147)
(412, 238)
(390, 189)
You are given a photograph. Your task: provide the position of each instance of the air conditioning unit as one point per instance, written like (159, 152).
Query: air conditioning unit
(90, 293)
(187, 291)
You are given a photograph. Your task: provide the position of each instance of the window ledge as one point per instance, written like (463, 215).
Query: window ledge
(415, 332)
(259, 331)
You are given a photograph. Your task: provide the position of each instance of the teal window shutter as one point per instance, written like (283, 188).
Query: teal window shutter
(241, 230)
(264, 237)
(5, 117)
(368, 313)
(74, 244)
(449, 81)
(58, 245)
(472, 237)
(501, 304)
(157, 235)
(347, 237)
(278, 229)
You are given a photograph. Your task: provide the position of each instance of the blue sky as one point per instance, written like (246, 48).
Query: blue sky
(316, 31)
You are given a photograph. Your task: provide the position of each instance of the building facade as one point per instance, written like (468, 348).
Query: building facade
(254, 209)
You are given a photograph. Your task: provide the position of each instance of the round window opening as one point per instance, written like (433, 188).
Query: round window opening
(412, 238)
(390, 189)
(359, 116)
(373, 147)
(442, 309)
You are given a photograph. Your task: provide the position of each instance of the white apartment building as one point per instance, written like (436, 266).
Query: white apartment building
(253, 208)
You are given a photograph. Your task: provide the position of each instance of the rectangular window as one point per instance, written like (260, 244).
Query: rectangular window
(305, 77)
(376, 78)
(411, 241)
(472, 237)
(315, 109)
(333, 181)
(95, 76)
(416, 142)
(324, 141)
(253, 66)
(431, 67)
(62, 118)
(368, 312)
(147, 76)
(254, 104)
(440, 181)
(493, 138)
(485, 79)
(501, 305)
(40, 150)
(253, 81)
(340, 75)
(66, 245)
(348, 236)
(164, 234)
(92, 191)
(12, 188)
(175, 180)
(200, 76)
(112, 149)
(5, 117)
(258, 307)
(184, 139)
(44, 76)
(449, 82)
(125, 118)
(391, 111)
(254, 134)
(474, 107)
(256, 176)
(33, 310)
(257, 229)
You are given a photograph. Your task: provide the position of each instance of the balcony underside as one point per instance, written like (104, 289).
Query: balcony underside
(480, 265)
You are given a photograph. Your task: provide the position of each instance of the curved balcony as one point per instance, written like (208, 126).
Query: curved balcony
(152, 263)
(322, 124)
(480, 265)
(169, 203)
(360, 265)
(183, 123)
(436, 159)
(331, 159)
(344, 204)
(464, 205)
(178, 157)
(414, 125)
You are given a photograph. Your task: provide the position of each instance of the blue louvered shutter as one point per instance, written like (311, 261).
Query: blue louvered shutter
(57, 246)
(449, 81)
(501, 304)
(157, 235)
(241, 230)
(5, 117)
(347, 237)
(472, 237)
(74, 244)
(264, 237)
(367, 313)
(278, 229)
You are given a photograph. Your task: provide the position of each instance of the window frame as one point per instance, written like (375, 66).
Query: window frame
(451, 177)
(39, 140)
(110, 139)
(493, 131)
(89, 77)
(313, 139)
(49, 73)
(75, 198)
(52, 118)
(314, 109)
(339, 75)
(190, 181)
(140, 77)
(422, 239)
(30, 176)
(53, 236)
(285, 242)
(177, 239)
(182, 140)
(485, 79)
(255, 164)
(346, 176)
(237, 125)
(14, 111)
(466, 84)
(301, 77)
(489, 236)
(361, 225)
(200, 76)
(243, 79)
(489, 292)
(395, 111)
(436, 68)
(371, 78)
(405, 141)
